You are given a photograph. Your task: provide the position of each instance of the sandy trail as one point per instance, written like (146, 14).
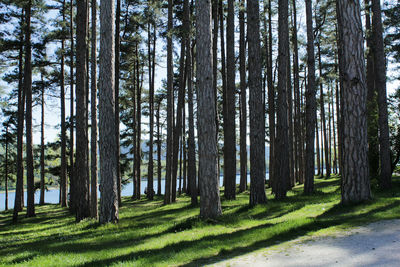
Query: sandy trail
(375, 244)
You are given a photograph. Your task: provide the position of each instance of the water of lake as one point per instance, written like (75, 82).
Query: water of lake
(52, 196)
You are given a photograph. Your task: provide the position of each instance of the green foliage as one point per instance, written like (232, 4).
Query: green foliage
(151, 234)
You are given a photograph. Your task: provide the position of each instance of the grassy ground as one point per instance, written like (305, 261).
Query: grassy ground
(150, 234)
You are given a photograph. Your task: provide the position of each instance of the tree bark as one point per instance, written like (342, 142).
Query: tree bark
(229, 120)
(28, 89)
(138, 157)
(282, 137)
(355, 178)
(210, 205)
(19, 190)
(82, 185)
(93, 103)
(117, 76)
(243, 100)
(385, 180)
(108, 144)
(170, 107)
(42, 175)
(257, 131)
(71, 117)
(159, 141)
(311, 106)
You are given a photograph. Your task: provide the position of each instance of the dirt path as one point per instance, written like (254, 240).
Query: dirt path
(376, 244)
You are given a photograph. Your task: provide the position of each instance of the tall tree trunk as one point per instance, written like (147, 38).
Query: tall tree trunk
(282, 137)
(93, 103)
(150, 190)
(117, 76)
(257, 131)
(184, 143)
(215, 17)
(335, 161)
(290, 121)
(170, 107)
(138, 156)
(243, 100)
(82, 186)
(319, 173)
(210, 205)
(192, 186)
(355, 178)
(311, 106)
(271, 99)
(42, 175)
(159, 141)
(108, 144)
(6, 171)
(329, 125)
(19, 192)
(223, 77)
(372, 104)
(28, 89)
(178, 125)
(63, 178)
(323, 117)
(71, 117)
(229, 119)
(134, 125)
(385, 180)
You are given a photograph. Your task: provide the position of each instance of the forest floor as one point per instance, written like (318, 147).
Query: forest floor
(151, 234)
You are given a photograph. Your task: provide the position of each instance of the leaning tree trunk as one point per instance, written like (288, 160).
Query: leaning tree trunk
(229, 120)
(93, 103)
(210, 205)
(257, 131)
(28, 89)
(108, 144)
(82, 186)
(385, 179)
(282, 137)
(311, 105)
(355, 177)
(243, 100)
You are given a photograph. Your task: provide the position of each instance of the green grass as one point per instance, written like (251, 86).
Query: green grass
(150, 234)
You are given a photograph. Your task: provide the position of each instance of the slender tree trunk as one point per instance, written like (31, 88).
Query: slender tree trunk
(257, 131)
(42, 174)
(243, 100)
(290, 121)
(71, 117)
(385, 180)
(271, 99)
(28, 89)
(170, 107)
(82, 186)
(184, 143)
(150, 190)
(210, 205)
(319, 173)
(108, 144)
(134, 178)
(229, 119)
(335, 161)
(6, 171)
(224, 79)
(138, 156)
(117, 76)
(19, 192)
(323, 117)
(311, 106)
(63, 178)
(355, 178)
(215, 17)
(159, 141)
(192, 186)
(329, 126)
(181, 94)
(93, 103)
(372, 104)
(282, 138)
